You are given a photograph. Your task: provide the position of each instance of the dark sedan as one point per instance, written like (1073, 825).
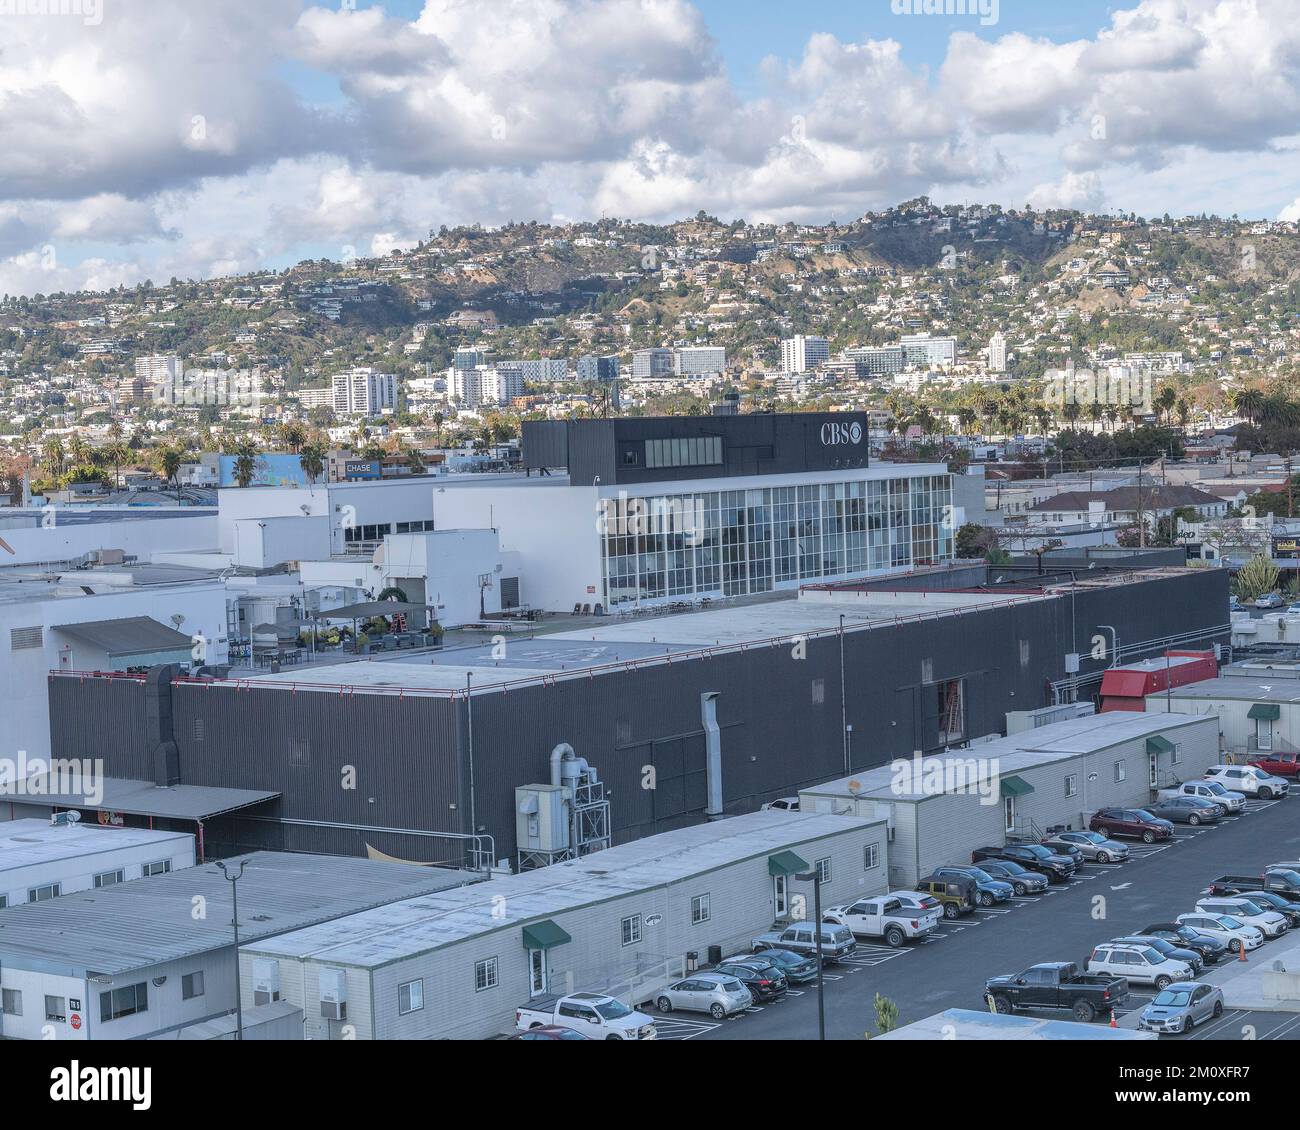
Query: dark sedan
(1212, 950)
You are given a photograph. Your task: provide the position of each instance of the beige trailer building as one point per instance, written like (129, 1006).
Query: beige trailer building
(939, 809)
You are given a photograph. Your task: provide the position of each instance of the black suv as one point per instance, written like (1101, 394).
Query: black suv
(765, 984)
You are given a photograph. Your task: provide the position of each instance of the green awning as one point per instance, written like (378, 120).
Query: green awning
(1015, 786)
(1265, 712)
(1158, 744)
(544, 935)
(785, 863)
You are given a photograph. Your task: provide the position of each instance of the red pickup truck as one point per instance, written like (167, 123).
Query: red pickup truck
(1279, 763)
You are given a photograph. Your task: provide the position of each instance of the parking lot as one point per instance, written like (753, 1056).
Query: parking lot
(949, 968)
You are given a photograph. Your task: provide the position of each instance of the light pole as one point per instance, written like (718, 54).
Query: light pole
(814, 877)
(234, 894)
(844, 703)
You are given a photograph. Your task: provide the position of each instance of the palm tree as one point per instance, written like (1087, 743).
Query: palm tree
(1248, 403)
(245, 453)
(312, 460)
(293, 435)
(52, 455)
(1166, 398)
(117, 453)
(168, 460)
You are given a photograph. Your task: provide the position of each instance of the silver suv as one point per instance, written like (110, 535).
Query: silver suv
(837, 941)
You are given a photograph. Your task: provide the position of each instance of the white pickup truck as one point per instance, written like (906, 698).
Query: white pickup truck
(884, 917)
(596, 1017)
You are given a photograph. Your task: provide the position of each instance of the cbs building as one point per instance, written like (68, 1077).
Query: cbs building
(643, 511)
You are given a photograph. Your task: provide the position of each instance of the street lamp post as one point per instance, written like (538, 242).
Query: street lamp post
(234, 894)
(814, 877)
(844, 702)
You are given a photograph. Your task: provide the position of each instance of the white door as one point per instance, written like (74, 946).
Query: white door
(1264, 733)
(536, 973)
(1155, 771)
(780, 896)
(1009, 807)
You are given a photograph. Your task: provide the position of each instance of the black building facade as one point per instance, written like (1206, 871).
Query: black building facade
(636, 450)
(442, 762)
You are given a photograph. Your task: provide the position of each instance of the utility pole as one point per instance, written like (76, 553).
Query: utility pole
(234, 895)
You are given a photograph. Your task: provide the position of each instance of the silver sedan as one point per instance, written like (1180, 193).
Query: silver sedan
(718, 995)
(1181, 1007)
(1092, 846)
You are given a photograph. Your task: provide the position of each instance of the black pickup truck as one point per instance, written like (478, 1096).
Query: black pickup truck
(1284, 883)
(1057, 984)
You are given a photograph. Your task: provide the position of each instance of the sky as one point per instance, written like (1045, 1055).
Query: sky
(151, 139)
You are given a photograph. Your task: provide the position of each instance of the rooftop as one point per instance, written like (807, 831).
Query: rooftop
(968, 1024)
(144, 922)
(1029, 749)
(26, 843)
(404, 929)
(1281, 688)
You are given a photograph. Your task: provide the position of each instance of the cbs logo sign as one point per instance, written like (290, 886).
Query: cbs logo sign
(840, 435)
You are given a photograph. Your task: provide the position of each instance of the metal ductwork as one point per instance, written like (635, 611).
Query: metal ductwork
(159, 725)
(712, 753)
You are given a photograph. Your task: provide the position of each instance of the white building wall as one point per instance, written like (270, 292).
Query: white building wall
(741, 906)
(64, 541)
(78, 873)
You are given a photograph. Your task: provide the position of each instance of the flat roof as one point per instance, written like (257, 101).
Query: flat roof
(73, 515)
(29, 843)
(144, 798)
(401, 930)
(970, 1024)
(1261, 688)
(1029, 749)
(144, 922)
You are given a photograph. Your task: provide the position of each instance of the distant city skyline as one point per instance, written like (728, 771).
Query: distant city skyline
(159, 140)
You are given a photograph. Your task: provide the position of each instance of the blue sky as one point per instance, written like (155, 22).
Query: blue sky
(328, 127)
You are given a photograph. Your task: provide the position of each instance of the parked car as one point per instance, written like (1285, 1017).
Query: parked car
(550, 1032)
(1269, 600)
(1057, 984)
(1231, 931)
(715, 993)
(1034, 857)
(782, 804)
(917, 901)
(837, 941)
(1187, 810)
(883, 917)
(1022, 880)
(956, 894)
(1168, 949)
(1271, 900)
(1269, 922)
(1070, 851)
(1180, 1007)
(798, 969)
(988, 890)
(1136, 823)
(1279, 763)
(1230, 802)
(1137, 963)
(1248, 779)
(1212, 950)
(1092, 846)
(766, 983)
(596, 1016)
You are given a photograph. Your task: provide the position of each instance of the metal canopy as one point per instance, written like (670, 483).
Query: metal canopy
(1157, 744)
(1015, 786)
(544, 935)
(144, 798)
(1265, 712)
(132, 635)
(785, 863)
(369, 608)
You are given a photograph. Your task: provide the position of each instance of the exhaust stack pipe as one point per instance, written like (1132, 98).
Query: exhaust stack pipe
(712, 753)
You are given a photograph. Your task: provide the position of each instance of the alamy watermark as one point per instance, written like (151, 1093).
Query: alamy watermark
(630, 516)
(39, 778)
(90, 12)
(939, 776)
(1120, 387)
(987, 10)
(202, 388)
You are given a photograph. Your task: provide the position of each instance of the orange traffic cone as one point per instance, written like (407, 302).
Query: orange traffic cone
(1113, 1023)
(1241, 951)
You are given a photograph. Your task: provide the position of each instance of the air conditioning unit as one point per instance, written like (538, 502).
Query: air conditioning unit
(266, 980)
(333, 994)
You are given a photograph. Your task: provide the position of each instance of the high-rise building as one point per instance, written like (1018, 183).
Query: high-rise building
(488, 385)
(364, 391)
(544, 369)
(160, 374)
(593, 368)
(998, 353)
(932, 352)
(874, 360)
(649, 364)
(696, 360)
(801, 353)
